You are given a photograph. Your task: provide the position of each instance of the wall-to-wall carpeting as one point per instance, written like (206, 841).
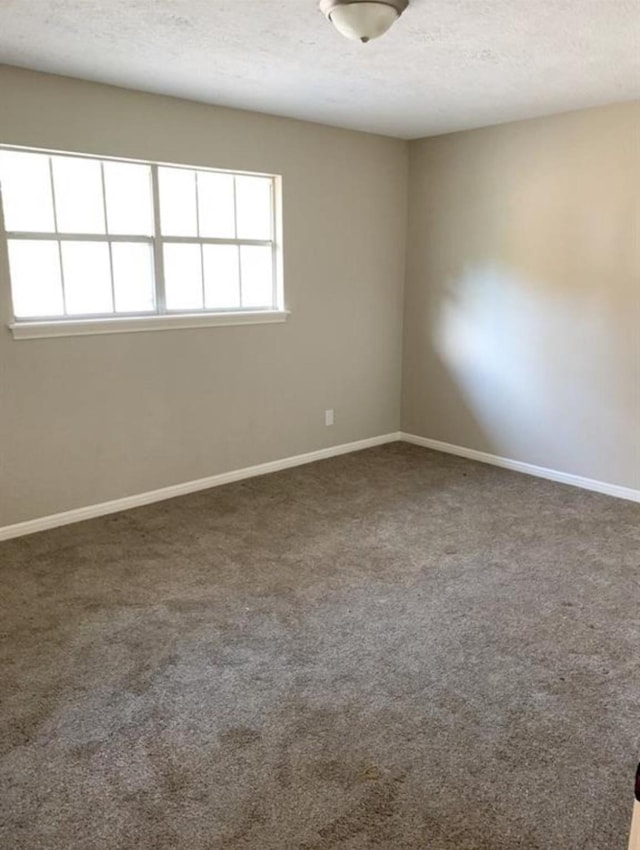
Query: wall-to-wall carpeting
(390, 649)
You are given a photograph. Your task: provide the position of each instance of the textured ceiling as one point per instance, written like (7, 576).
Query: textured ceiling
(446, 65)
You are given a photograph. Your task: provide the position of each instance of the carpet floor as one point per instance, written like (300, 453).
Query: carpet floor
(390, 649)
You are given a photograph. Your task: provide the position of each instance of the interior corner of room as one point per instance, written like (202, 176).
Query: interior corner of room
(355, 606)
(475, 291)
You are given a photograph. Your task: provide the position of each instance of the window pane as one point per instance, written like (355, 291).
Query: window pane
(87, 278)
(129, 198)
(215, 205)
(133, 277)
(35, 278)
(257, 276)
(253, 199)
(78, 187)
(26, 191)
(221, 276)
(178, 202)
(183, 277)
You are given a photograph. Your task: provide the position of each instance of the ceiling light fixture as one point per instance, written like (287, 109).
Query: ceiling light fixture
(363, 20)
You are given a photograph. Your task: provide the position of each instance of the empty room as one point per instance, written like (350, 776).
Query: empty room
(319, 425)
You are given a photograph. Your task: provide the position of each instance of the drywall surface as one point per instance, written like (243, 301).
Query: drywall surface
(522, 301)
(89, 419)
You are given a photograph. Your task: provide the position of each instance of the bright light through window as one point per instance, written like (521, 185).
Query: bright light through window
(94, 238)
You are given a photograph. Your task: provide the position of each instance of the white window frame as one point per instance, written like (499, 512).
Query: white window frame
(160, 318)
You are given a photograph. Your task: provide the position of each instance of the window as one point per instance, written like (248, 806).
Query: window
(105, 239)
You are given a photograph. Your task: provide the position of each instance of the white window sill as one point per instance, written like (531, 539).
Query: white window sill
(88, 327)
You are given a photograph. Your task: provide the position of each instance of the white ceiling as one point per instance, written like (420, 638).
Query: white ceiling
(446, 65)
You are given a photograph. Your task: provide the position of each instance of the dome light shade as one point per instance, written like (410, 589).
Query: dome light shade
(363, 20)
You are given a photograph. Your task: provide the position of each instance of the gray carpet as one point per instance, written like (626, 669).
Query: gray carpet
(390, 649)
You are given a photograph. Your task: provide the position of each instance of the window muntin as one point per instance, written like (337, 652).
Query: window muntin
(105, 238)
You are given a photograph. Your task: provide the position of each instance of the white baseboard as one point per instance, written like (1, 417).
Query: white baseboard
(528, 468)
(102, 509)
(91, 511)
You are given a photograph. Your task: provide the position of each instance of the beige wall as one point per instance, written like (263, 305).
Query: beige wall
(87, 419)
(522, 303)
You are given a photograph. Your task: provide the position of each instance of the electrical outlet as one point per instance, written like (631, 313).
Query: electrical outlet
(328, 418)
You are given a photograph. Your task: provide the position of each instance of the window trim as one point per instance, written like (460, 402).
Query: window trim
(161, 318)
(43, 329)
